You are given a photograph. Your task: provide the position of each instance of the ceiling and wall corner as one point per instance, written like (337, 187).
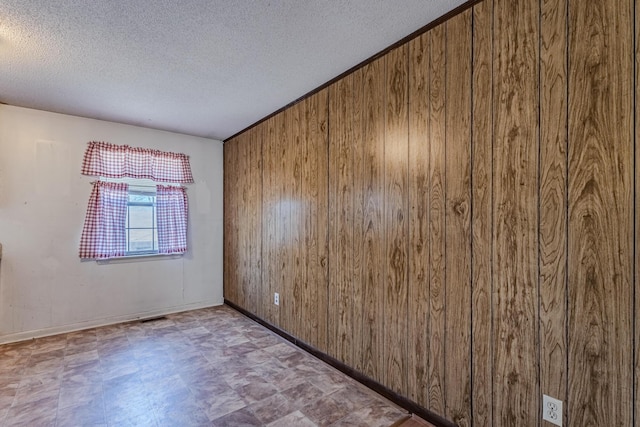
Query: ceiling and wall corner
(202, 68)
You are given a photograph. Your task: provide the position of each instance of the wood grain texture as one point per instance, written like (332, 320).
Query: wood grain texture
(230, 240)
(515, 217)
(271, 158)
(396, 221)
(553, 199)
(636, 384)
(293, 288)
(316, 172)
(600, 213)
(357, 247)
(458, 219)
(437, 214)
(418, 189)
(373, 248)
(283, 236)
(342, 219)
(481, 221)
(256, 221)
(243, 223)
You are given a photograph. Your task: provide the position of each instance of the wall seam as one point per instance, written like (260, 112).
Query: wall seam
(566, 220)
(539, 182)
(471, 222)
(444, 230)
(492, 333)
(634, 349)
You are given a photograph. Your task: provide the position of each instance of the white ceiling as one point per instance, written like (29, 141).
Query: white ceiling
(208, 68)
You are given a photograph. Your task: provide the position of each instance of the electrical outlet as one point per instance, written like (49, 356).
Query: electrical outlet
(276, 298)
(552, 410)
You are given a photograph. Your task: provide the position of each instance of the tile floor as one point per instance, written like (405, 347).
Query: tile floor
(210, 367)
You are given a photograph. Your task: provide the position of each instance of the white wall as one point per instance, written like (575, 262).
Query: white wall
(44, 287)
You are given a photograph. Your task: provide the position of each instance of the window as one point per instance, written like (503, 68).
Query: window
(129, 213)
(141, 224)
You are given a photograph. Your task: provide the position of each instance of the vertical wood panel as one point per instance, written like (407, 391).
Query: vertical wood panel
(282, 284)
(230, 239)
(294, 286)
(396, 225)
(306, 205)
(256, 221)
(481, 153)
(357, 252)
(636, 246)
(342, 217)
(270, 219)
(437, 135)
(372, 221)
(314, 218)
(323, 202)
(458, 220)
(600, 213)
(243, 221)
(515, 220)
(553, 199)
(418, 188)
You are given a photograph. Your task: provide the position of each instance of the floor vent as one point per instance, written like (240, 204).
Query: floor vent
(153, 319)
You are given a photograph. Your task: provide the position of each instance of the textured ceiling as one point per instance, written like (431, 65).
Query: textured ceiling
(208, 68)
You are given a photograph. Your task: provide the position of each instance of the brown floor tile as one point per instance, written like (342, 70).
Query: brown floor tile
(297, 419)
(34, 412)
(89, 413)
(221, 404)
(192, 416)
(272, 408)
(303, 393)
(256, 391)
(240, 418)
(6, 398)
(72, 395)
(325, 411)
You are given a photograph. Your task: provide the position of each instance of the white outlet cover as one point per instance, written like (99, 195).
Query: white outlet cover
(276, 298)
(552, 410)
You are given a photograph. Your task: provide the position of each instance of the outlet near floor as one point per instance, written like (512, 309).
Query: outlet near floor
(276, 298)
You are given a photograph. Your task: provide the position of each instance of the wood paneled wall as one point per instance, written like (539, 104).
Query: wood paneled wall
(457, 218)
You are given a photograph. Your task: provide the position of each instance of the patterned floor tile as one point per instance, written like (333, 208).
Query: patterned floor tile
(199, 368)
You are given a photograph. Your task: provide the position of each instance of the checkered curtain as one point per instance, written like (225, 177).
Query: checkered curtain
(172, 210)
(104, 233)
(119, 161)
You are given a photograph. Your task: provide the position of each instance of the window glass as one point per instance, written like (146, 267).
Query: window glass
(142, 236)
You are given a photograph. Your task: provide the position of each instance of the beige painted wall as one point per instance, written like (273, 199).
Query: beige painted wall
(44, 287)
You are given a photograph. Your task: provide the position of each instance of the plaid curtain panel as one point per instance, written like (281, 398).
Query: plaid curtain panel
(119, 161)
(172, 211)
(104, 233)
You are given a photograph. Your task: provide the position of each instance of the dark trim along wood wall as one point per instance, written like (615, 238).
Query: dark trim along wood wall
(457, 219)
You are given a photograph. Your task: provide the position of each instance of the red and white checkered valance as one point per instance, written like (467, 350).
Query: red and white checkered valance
(119, 161)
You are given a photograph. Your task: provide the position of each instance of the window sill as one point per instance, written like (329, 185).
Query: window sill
(139, 258)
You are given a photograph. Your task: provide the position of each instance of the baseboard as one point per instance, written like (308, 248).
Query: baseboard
(379, 388)
(63, 329)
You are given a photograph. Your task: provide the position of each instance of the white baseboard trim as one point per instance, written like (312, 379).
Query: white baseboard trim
(63, 329)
